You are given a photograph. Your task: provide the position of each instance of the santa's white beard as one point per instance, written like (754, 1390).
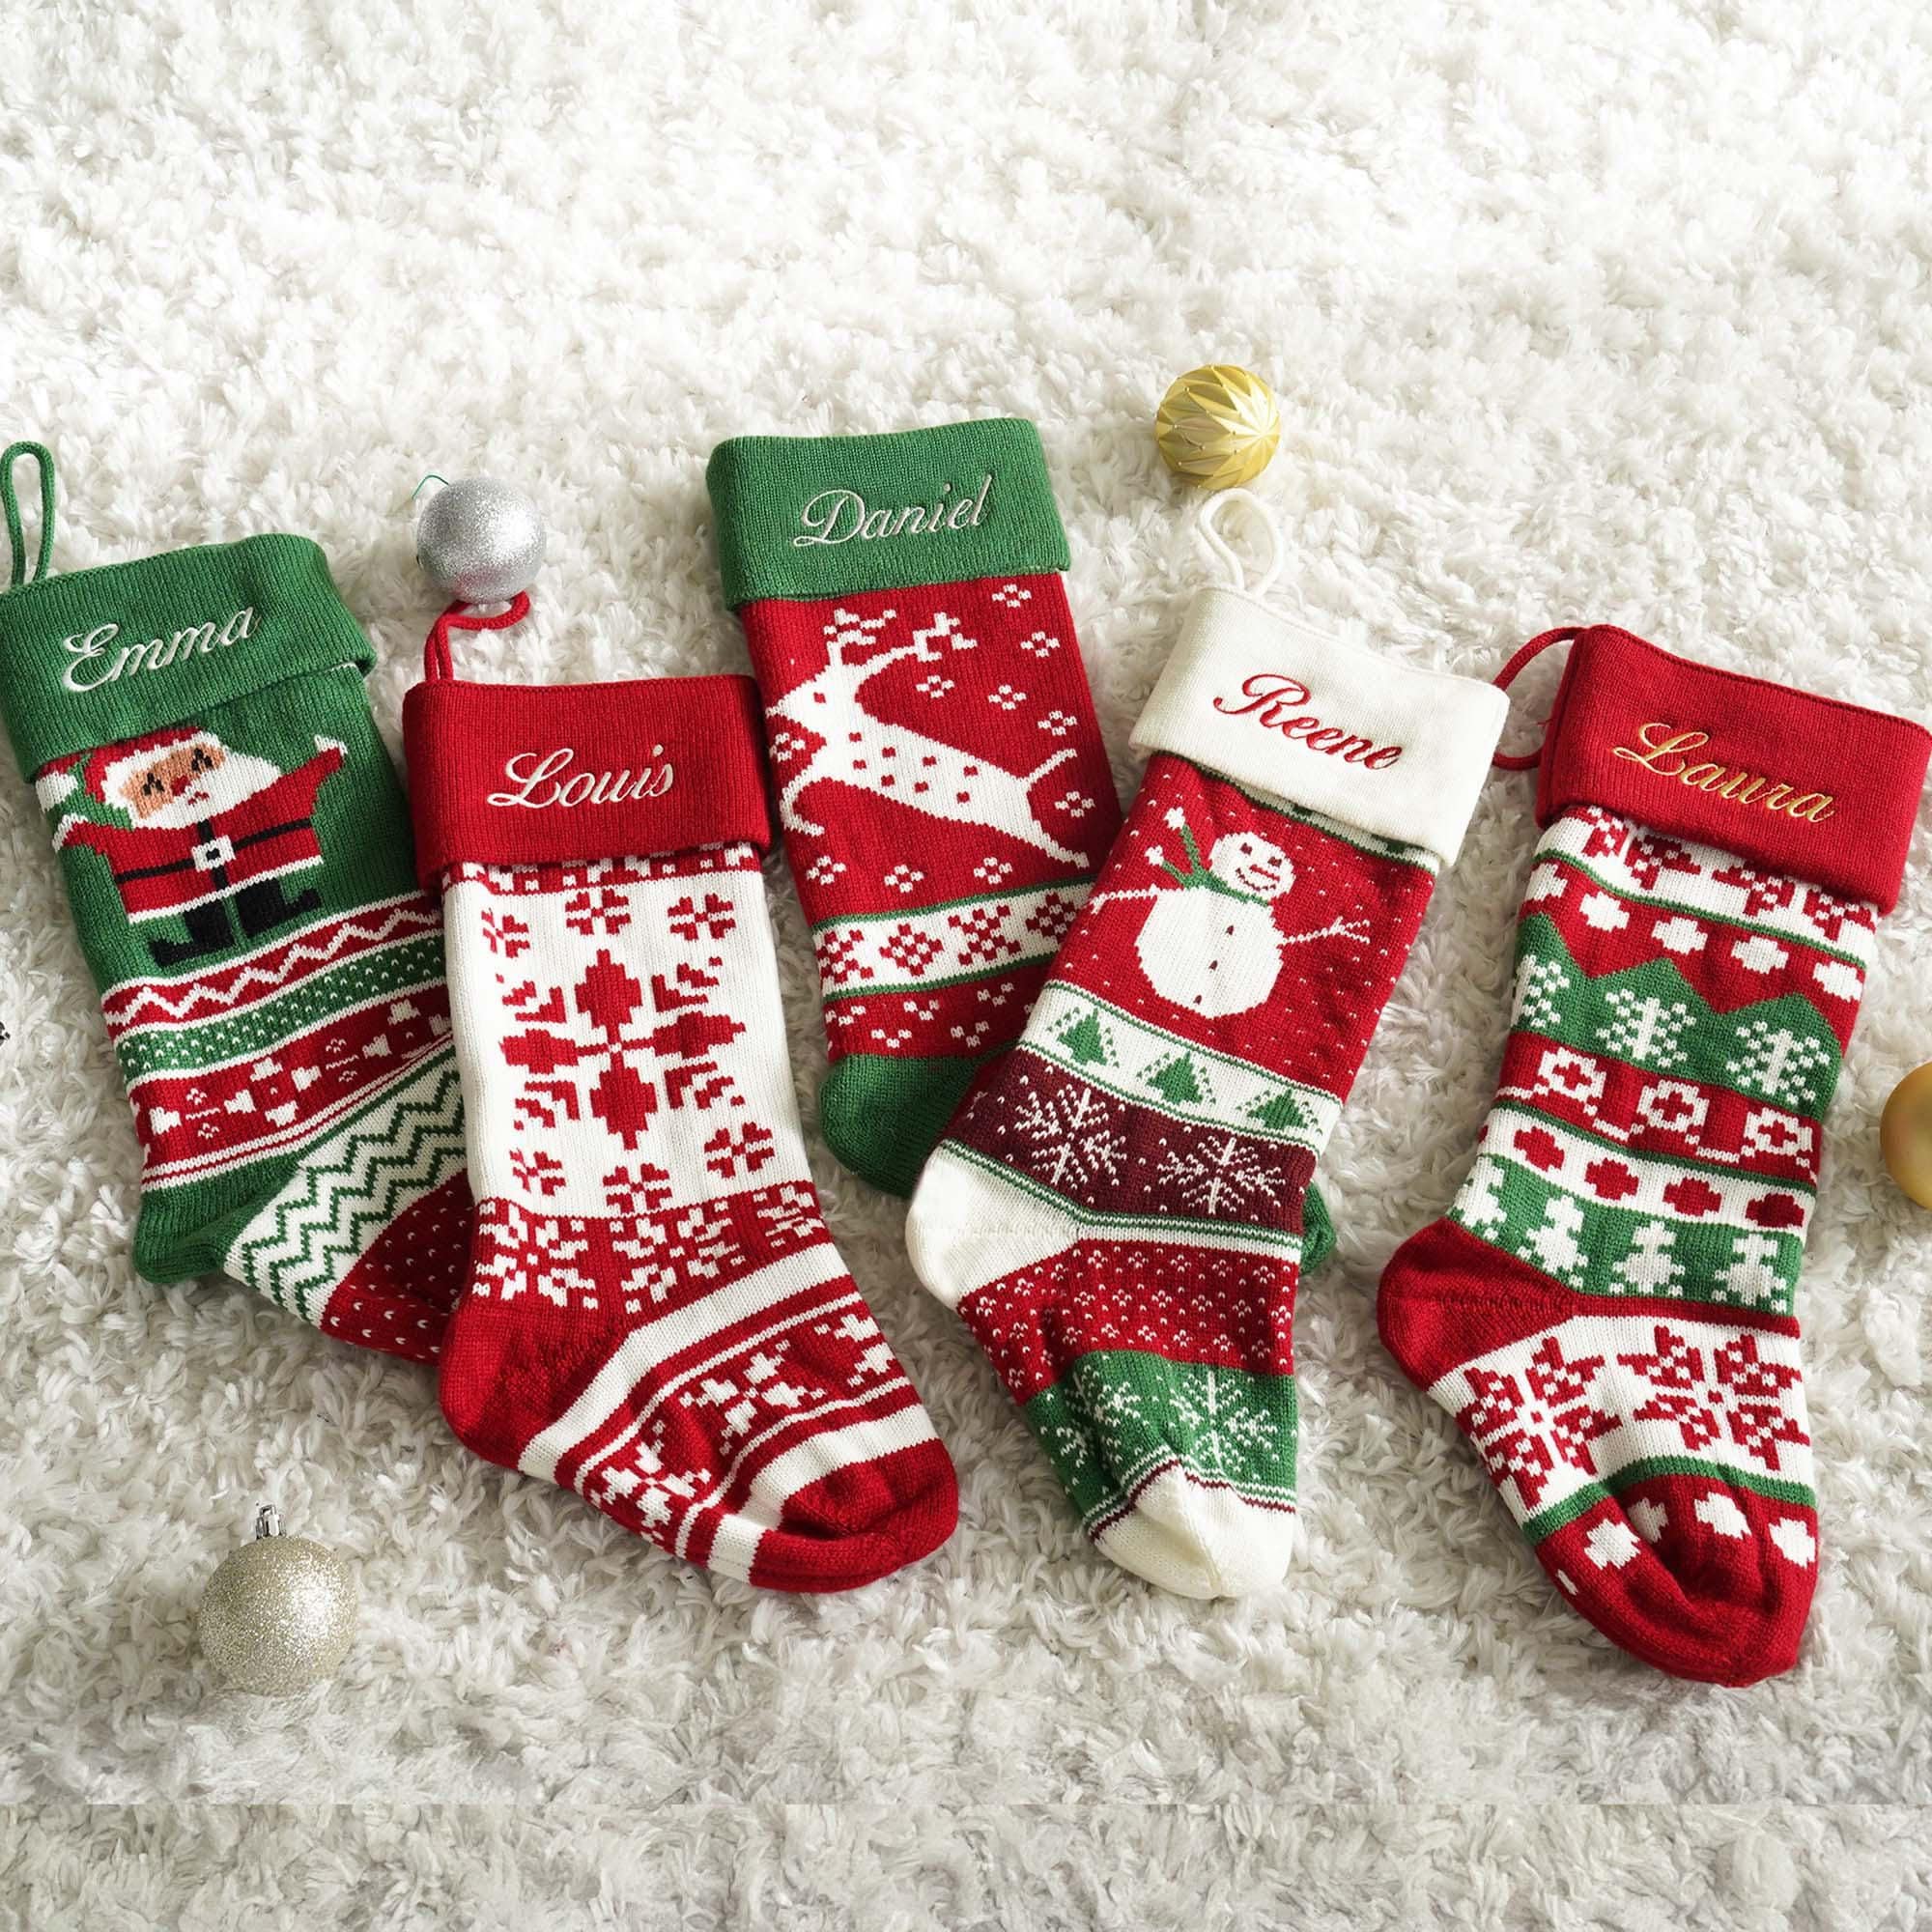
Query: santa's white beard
(239, 777)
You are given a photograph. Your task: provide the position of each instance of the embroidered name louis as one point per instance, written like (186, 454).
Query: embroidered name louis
(1274, 700)
(538, 777)
(1664, 751)
(837, 515)
(157, 654)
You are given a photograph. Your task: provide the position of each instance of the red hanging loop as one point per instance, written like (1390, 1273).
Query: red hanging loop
(437, 659)
(1510, 761)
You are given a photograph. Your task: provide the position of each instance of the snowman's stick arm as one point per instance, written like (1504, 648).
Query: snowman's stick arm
(1341, 928)
(1138, 892)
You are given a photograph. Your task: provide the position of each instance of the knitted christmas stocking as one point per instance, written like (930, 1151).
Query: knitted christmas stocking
(1118, 1209)
(942, 788)
(656, 1316)
(236, 849)
(1606, 1310)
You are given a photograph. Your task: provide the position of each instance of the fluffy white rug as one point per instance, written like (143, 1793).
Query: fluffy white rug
(1599, 309)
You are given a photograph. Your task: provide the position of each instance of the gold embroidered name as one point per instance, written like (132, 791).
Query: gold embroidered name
(1667, 752)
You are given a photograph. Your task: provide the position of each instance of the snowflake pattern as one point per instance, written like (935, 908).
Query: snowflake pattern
(1224, 1178)
(1040, 644)
(1010, 596)
(604, 910)
(504, 933)
(1006, 698)
(1070, 1136)
(520, 1253)
(1523, 1428)
(1056, 724)
(714, 918)
(629, 1068)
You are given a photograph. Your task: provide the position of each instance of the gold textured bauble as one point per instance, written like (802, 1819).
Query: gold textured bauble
(1218, 426)
(279, 1615)
(1905, 1135)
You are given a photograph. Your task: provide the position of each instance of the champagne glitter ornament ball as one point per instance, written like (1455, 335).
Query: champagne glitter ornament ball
(1905, 1135)
(480, 541)
(1218, 426)
(279, 1614)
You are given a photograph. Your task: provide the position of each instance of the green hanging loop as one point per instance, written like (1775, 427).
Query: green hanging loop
(15, 536)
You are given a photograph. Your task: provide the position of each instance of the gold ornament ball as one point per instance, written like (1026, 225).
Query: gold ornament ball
(1905, 1135)
(279, 1614)
(1218, 426)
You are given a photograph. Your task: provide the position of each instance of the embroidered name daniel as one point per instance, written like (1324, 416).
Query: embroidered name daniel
(538, 777)
(837, 515)
(1663, 750)
(157, 654)
(1275, 701)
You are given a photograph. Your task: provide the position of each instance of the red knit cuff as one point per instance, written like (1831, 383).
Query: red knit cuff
(519, 774)
(1793, 783)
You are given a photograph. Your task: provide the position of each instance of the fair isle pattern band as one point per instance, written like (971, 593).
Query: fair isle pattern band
(1560, 1415)
(1134, 1060)
(1678, 875)
(944, 945)
(350, 1187)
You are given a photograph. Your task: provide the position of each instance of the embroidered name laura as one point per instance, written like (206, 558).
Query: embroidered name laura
(1275, 701)
(1665, 751)
(157, 654)
(538, 777)
(837, 515)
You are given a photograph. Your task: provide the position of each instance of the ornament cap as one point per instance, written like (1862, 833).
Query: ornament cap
(268, 1521)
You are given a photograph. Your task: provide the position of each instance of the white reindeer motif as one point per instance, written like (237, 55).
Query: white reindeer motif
(893, 760)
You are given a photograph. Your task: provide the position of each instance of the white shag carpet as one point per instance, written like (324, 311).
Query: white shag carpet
(1593, 309)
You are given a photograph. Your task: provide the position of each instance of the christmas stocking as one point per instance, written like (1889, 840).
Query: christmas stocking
(942, 790)
(1606, 1310)
(236, 849)
(1118, 1209)
(656, 1316)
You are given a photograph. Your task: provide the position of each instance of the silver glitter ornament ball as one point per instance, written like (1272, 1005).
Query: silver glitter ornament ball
(480, 541)
(279, 1614)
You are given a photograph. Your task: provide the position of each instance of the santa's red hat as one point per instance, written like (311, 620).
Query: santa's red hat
(107, 767)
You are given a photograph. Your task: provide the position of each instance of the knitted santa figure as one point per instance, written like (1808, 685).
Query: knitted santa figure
(210, 825)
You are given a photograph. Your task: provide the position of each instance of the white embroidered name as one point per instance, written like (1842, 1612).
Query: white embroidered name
(837, 515)
(157, 654)
(1275, 701)
(538, 777)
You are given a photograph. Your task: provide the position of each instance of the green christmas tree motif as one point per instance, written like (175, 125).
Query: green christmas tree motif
(1279, 1113)
(1177, 1079)
(1086, 1040)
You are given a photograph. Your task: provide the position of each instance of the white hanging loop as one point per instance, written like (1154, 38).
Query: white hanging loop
(1223, 550)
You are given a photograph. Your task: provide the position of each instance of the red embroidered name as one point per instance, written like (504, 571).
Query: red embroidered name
(538, 777)
(1275, 699)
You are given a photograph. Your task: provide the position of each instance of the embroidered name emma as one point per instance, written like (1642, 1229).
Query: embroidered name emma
(1275, 700)
(1664, 753)
(837, 515)
(540, 783)
(157, 654)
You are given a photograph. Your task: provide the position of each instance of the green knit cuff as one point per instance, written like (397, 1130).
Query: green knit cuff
(819, 516)
(95, 656)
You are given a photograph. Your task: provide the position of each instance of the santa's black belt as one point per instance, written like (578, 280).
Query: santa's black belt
(207, 826)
